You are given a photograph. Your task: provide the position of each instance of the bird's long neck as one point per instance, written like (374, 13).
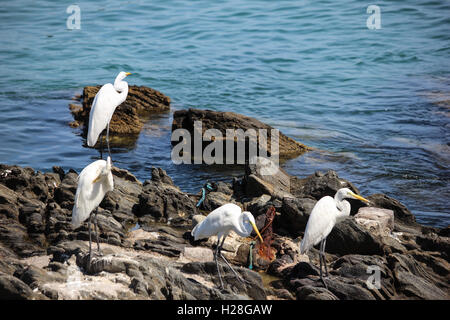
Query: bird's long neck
(343, 206)
(122, 88)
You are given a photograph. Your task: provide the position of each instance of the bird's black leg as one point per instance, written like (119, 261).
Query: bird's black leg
(90, 243)
(96, 232)
(228, 264)
(324, 257)
(321, 257)
(107, 139)
(216, 253)
(101, 145)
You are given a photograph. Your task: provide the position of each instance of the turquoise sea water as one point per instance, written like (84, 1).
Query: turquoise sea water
(370, 101)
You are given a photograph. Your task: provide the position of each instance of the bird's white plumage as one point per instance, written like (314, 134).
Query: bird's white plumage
(222, 220)
(89, 194)
(325, 214)
(107, 99)
(105, 102)
(320, 223)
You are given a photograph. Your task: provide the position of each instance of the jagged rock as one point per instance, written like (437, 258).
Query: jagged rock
(214, 200)
(402, 215)
(253, 286)
(165, 202)
(362, 267)
(302, 270)
(282, 294)
(377, 221)
(259, 205)
(12, 288)
(221, 121)
(25, 181)
(348, 289)
(295, 214)
(416, 280)
(15, 236)
(320, 184)
(434, 242)
(34, 276)
(314, 293)
(266, 177)
(225, 188)
(124, 197)
(347, 237)
(157, 261)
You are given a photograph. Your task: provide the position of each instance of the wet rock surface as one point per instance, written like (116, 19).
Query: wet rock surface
(148, 253)
(221, 121)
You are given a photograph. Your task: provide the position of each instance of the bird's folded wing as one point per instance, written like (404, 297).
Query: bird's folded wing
(105, 102)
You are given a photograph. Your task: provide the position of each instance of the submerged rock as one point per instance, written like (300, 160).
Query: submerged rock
(221, 121)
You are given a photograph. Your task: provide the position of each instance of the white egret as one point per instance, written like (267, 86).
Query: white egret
(107, 99)
(326, 213)
(220, 222)
(93, 183)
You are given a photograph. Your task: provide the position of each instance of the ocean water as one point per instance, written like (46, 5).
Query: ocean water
(372, 102)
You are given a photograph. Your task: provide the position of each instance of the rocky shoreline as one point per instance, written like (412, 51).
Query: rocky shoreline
(380, 252)
(148, 252)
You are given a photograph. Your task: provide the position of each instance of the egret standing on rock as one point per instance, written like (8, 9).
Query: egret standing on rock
(93, 183)
(107, 99)
(326, 213)
(220, 222)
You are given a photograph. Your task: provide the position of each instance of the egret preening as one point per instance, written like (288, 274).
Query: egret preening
(93, 183)
(107, 99)
(326, 213)
(220, 222)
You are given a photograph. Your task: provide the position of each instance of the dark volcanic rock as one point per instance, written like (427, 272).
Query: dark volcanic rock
(319, 185)
(15, 236)
(348, 289)
(165, 202)
(150, 263)
(12, 288)
(416, 280)
(27, 182)
(315, 293)
(253, 286)
(295, 214)
(363, 267)
(347, 237)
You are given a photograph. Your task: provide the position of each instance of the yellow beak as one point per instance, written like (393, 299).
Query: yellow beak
(96, 179)
(360, 198)
(257, 232)
(127, 73)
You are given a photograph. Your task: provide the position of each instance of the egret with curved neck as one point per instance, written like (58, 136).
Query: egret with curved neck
(107, 99)
(94, 181)
(326, 213)
(220, 222)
